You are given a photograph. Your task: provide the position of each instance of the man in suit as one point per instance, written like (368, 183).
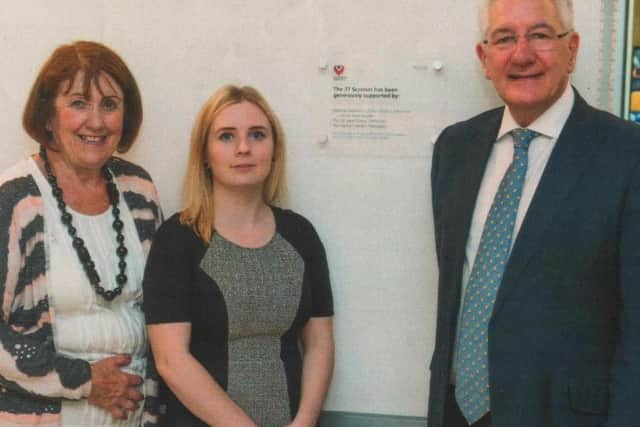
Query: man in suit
(537, 224)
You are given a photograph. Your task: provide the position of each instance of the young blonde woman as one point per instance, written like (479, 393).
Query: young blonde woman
(233, 283)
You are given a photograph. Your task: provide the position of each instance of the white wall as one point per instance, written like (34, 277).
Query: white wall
(373, 213)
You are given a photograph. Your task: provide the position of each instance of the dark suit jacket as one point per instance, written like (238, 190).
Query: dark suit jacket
(564, 336)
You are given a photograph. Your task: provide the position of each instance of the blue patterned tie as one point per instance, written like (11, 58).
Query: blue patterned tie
(471, 360)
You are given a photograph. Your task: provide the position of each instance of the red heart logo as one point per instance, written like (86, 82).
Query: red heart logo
(338, 69)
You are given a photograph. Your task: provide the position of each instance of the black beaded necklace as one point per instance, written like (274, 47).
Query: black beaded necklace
(78, 244)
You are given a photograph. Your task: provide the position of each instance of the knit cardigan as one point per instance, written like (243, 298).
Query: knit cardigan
(34, 379)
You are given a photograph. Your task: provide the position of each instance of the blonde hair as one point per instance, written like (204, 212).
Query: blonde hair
(197, 190)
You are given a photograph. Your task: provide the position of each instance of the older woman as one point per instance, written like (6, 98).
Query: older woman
(233, 282)
(75, 227)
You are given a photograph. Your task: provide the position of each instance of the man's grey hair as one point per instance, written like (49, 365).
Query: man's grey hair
(564, 8)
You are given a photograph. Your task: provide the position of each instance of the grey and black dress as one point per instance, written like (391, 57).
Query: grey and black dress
(246, 307)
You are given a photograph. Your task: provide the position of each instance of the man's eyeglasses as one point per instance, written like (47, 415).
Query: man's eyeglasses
(538, 40)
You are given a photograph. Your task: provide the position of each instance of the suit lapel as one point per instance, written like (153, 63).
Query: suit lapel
(567, 163)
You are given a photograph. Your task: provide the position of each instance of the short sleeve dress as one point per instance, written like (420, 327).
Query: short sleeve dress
(246, 307)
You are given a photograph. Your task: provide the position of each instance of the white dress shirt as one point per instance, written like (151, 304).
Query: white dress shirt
(548, 125)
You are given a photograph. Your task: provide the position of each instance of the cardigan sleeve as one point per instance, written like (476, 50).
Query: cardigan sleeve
(28, 360)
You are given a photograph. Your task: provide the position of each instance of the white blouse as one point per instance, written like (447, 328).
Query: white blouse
(86, 326)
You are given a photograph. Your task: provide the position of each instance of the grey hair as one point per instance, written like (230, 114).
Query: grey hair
(564, 8)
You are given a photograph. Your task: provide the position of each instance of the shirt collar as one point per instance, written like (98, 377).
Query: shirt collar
(550, 123)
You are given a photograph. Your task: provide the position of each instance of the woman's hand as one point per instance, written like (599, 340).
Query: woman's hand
(113, 390)
(189, 380)
(296, 423)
